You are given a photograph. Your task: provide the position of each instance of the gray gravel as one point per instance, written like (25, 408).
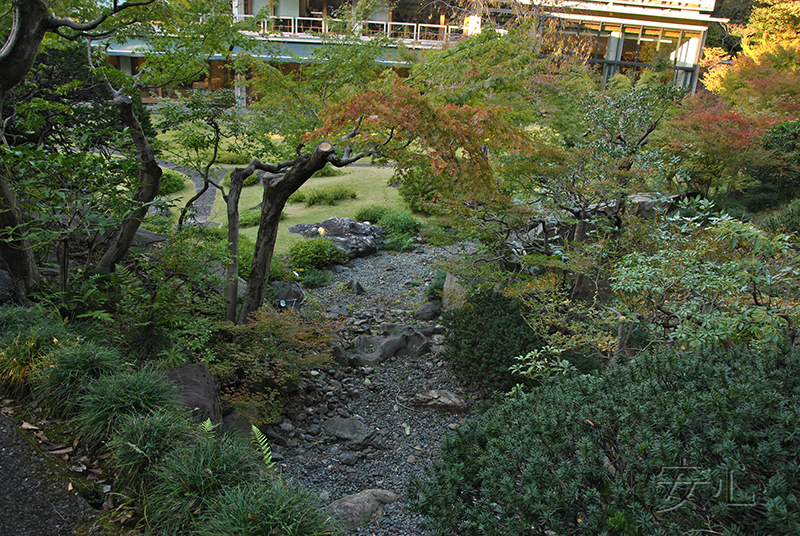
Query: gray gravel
(406, 439)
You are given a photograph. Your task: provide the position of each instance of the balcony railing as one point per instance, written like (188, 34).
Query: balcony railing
(409, 32)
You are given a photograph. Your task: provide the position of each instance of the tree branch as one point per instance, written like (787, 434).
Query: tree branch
(56, 23)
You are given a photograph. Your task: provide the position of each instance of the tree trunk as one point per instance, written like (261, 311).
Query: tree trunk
(276, 193)
(30, 23)
(16, 254)
(149, 179)
(232, 270)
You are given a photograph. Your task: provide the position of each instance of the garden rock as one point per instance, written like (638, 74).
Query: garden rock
(453, 293)
(429, 310)
(354, 238)
(441, 400)
(401, 340)
(352, 432)
(359, 508)
(7, 290)
(288, 294)
(198, 391)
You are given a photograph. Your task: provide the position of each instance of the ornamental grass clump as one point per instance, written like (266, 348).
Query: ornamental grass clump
(108, 400)
(186, 481)
(65, 374)
(673, 444)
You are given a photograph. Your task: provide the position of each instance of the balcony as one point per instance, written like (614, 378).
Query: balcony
(415, 35)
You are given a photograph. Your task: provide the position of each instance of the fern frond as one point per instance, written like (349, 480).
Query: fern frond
(263, 446)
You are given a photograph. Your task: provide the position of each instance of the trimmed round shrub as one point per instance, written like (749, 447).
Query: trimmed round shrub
(171, 182)
(400, 222)
(110, 399)
(268, 507)
(673, 444)
(315, 253)
(63, 377)
(484, 336)
(371, 213)
(188, 478)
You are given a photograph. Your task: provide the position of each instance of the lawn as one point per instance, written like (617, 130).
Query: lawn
(370, 183)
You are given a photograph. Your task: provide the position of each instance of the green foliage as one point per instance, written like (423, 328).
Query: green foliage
(485, 335)
(65, 374)
(257, 361)
(187, 480)
(436, 286)
(371, 213)
(313, 278)
(329, 195)
(672, 444)
(278, 271)
(401, 228)
(267, 507)
(249, 218)
(171, 182)
(142, 441)
(263, 446)
(786, 220)
(418, 188)
(315, 253)
(109, 399)
(247, 248)
(329, 171)
(28, 339)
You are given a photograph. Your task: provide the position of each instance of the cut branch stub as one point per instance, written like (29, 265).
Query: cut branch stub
(325, 147)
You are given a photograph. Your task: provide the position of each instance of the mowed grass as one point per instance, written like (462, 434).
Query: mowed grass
(370, 183)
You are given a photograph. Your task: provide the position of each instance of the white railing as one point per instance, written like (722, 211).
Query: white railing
(408, 32)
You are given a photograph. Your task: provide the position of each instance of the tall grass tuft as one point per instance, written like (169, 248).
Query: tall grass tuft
(65, 374)
(143, 441)
(267, 507)
(108, 400)
(28, 337)
(189, 478)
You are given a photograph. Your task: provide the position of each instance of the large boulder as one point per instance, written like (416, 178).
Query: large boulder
(359, 508)
(354, 238)
(288, 294)
(198, 391)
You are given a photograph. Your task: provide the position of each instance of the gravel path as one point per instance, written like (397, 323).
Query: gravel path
(206, 201)
(405, 439)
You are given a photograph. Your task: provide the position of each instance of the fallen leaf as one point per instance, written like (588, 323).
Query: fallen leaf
(251, 516)
(7, 411)
(27, 426)
(408, 430)
(61, 452)
(75, 441)
(95, 471)
(41, 437)
(69, 486)
(78, 468)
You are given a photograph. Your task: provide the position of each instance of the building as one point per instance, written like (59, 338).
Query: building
(616, 35)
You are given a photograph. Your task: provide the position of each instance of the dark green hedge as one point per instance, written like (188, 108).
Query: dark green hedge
(675, 444)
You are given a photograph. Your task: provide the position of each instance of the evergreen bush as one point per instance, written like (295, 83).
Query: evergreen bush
(371, 213)
(484, 336)
(171, 182)
(315, 253)
(675, 443)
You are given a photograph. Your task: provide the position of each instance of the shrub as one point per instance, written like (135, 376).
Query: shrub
(330, 195)
(418, 188)
(258, 360)
(787, 219)
(436, 286)
(249, 218)
(109, 399)
(485, 335)
(315, 253)
(267, 507)
(673, 444)
(316, 278)
(171, 182)
(143, 441)
(371, 213)
(28, 337)
(233, 158)
(65, 374)
(188, 478)
(400, 223)
(329, 171)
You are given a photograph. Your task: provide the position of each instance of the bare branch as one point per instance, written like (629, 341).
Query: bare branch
(56, 23)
